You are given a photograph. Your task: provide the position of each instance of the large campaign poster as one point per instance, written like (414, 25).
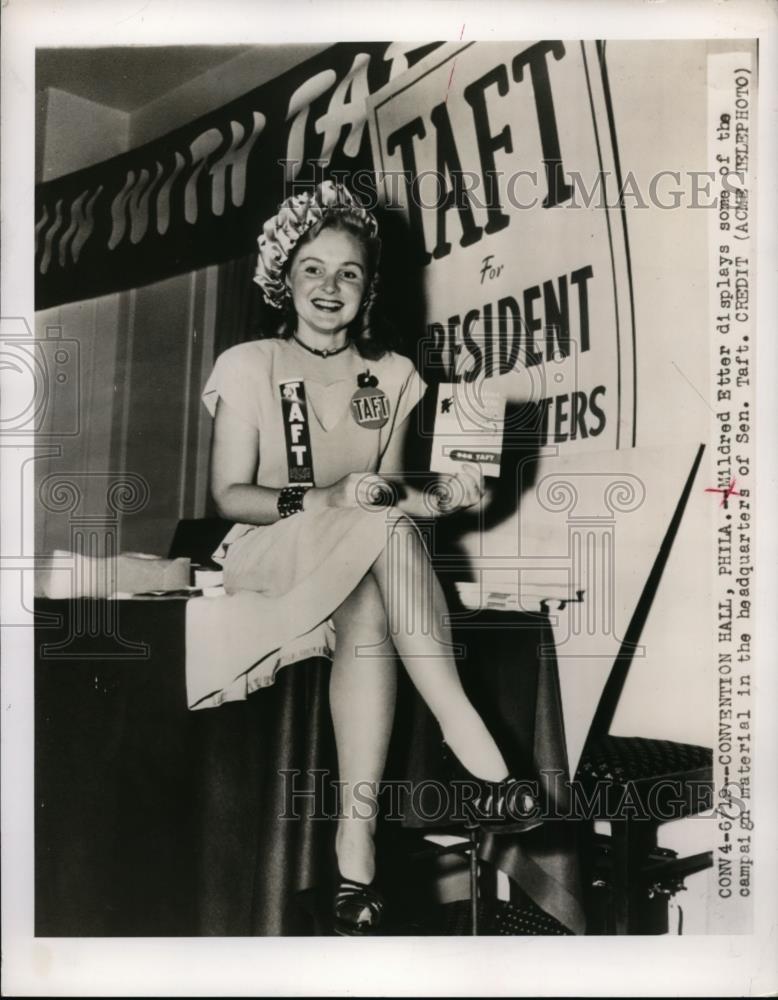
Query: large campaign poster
(505, 159)
(525, 272)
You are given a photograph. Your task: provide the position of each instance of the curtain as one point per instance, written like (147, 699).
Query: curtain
(241, 313)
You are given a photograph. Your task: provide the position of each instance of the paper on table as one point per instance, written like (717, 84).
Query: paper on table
(67, 575)
(208, 578)
(529, 596)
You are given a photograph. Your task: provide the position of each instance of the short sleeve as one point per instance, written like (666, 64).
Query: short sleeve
(232, 379)
(411, 392)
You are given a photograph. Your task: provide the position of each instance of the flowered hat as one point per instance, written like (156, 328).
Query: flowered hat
(296, 215)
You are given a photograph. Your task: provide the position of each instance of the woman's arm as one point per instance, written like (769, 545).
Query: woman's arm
(234, 458)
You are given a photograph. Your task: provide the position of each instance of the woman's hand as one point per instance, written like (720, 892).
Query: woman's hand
(458, 491)
(356, 489)
(450, 494)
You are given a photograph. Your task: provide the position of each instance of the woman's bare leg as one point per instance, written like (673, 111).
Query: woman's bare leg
(363, 688)
(415, 606)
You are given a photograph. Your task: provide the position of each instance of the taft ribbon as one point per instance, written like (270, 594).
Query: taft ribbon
(299, 456)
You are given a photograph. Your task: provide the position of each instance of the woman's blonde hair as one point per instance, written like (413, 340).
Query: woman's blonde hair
(300, 219)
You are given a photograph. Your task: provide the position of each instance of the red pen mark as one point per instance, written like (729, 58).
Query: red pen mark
(451, 74)
(726, 493)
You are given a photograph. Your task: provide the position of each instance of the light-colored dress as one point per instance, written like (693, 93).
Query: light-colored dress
(293, 574)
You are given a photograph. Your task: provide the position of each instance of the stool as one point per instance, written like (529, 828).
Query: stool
(483, 912)
(497, 917)
(637, 785)
(466, 847)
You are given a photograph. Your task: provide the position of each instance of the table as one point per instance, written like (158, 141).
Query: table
(154, 820)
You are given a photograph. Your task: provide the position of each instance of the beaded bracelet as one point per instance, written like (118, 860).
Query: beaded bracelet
(290, 500)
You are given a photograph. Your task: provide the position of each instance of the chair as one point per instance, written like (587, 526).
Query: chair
(630, 879)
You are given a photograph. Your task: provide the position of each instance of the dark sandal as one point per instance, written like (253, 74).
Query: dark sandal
(506, 806)
(357, 908)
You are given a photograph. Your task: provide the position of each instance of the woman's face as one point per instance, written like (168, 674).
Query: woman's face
(327, 280)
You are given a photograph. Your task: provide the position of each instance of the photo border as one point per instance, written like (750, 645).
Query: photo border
(732, 965)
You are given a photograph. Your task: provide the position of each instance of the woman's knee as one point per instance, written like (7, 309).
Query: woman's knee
(404, 546)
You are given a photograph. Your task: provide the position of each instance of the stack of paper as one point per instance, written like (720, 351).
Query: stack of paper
(517, 596)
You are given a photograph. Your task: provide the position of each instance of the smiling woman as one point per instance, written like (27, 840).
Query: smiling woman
(327, 289)
(306, 459)
(327, 292)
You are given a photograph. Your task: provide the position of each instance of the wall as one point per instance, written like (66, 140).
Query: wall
(215, 88)
(160, 428)
(670, 692)
(669, 259)
(79, 413)
(143, 357)
(73, 133)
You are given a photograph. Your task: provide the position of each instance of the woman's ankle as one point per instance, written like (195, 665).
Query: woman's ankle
(480, 757)
(355, 849)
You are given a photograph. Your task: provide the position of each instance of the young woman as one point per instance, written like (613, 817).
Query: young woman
(328, 403)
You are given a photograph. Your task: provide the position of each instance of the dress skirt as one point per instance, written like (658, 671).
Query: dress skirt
(284, 580)
(283, 583)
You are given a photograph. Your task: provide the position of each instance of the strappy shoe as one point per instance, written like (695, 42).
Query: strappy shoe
(357, 908)
(507, 806)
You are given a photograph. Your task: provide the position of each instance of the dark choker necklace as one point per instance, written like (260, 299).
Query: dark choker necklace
(321, 354)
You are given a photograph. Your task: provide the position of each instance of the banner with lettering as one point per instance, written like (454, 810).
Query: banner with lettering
(503, 156)
(199, 195)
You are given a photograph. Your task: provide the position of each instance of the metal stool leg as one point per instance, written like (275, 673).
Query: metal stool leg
(473, 856)
(632, 843)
